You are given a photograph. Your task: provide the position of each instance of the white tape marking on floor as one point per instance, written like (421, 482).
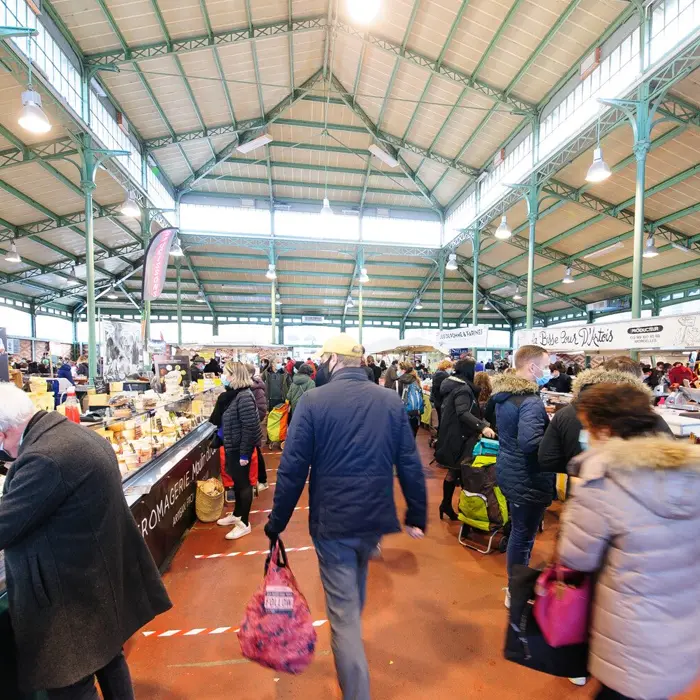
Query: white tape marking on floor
(250, 553)
(204, 631)
(269, 510)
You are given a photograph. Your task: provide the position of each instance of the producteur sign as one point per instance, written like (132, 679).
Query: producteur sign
(669, 332)
(467, 336)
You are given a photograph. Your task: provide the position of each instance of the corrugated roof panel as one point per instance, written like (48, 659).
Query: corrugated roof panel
(317, 194)
(346, 56)
(492, 135)
(45, 189)
(374, 81)
(430, 173)
(403, 100)
(224, 14)
(434, 110)
(136, 20)
(273, 66)
(432, 26)
(198, 152)
(308, 52)
(88, 25)
(172, 163)
(237, 62)
(182, 17)
(233, 188)
(450, 186)
(209, 91)
(267, 11)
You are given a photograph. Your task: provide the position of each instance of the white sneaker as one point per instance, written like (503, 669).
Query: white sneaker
(228, 520)
(506, 602)
(240, 530)
(579, 681)
(376, 553)
(263, 487)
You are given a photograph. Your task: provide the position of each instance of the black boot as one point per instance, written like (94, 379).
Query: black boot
(448, 489)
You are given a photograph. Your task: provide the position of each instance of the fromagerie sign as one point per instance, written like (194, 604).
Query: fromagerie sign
(468, 336)
(669, 332)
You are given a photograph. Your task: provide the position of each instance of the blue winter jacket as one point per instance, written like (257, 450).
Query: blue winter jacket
(521, 419)
(64, 372)
(350, 433)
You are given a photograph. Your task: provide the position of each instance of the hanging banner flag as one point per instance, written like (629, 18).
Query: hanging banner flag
(155, 265)
(667, 332)
(467, 336)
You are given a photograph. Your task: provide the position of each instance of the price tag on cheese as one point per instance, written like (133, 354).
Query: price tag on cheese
(279, 599)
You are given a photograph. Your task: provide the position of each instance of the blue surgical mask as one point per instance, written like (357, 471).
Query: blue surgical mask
(226, 381)
(583, 439)
(546, 376)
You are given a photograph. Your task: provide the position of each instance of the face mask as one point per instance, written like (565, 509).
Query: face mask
(583, 439)
(226, 382)
(546, 376)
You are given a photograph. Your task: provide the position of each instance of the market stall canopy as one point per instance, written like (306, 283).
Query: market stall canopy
(389, 346)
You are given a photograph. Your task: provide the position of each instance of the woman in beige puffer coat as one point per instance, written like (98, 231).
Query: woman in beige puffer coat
(635, 519)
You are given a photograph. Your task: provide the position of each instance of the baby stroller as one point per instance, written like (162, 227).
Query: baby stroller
(482, 506)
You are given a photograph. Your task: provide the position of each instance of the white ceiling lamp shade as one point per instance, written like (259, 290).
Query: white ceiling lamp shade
(326, 211)
(32, 117)
(72, 276)
(112, 294)
(568, 279)
(604, 251)
(130, 208)
(349, 303)
(451, 262)
(201, 299)
(650, 250)
(364, 277)
(251, 145)
(486, 306)
(503, 232)
(278, 301)
(599, 170)
(271, 273)
(363, 11)
(517, 296)
(419, 304)
(383, 156)
(13, 256)
(176, 249)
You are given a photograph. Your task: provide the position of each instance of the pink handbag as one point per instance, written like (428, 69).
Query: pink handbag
(563, 605)
(277, 631)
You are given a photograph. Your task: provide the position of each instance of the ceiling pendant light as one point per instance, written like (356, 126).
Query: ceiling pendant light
(326, 211)
(349, 303)
(176, 249)
(419, 304)
(32, 117)
(486, 306)
(363, 11)
(278, 301)
(650, 250)
(568, 279)
(72, 276)
(503, 231)
(112, 294)
(451, 262)
(364, 277)
(13, 256)
(130, 208)
(517, 296)
(271, 273)
(599, 169)
(201, 299)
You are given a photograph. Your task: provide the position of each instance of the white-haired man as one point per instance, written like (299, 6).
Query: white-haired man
(80, 579)
(351, 433)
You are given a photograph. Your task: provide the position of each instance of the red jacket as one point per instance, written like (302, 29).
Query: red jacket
(289, 368)
(676, 375)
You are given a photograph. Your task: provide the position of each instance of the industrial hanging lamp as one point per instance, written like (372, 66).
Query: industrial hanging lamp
(271, 273)
(72, 276)
(503, 232)
(419, 304)
(364, 277)
(176, 249)
(349, 303)
(517, 296)
(363, 11)
(326, 211)
(650, 250)
(130, 208)
(451, 262)
(568, 279)
(201, 299)
(112, 294)
(278, 301)
(599, 169)
(13, 256)
(32, 117)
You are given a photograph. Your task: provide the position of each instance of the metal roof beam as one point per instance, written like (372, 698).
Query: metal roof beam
(373, 131)
(202, 42)
(268, 119)
(442, 70)
(427, 281)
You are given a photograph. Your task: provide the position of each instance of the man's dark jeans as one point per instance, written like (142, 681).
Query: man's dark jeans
(525, 521)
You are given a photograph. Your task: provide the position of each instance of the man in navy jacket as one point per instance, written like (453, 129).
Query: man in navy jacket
(352, 434)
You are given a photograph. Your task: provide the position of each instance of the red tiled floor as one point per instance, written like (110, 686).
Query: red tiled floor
(433, 625)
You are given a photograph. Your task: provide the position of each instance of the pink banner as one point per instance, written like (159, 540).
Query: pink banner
(155, 266)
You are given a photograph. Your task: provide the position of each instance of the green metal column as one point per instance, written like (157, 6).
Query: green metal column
(88, 187)
(280, 332)
(146, 310)
(402, 330)
(273, 283)
(360, 311)
(441, 262)
(530, 313)
(641, 148)
(476, 243)
(178, 267)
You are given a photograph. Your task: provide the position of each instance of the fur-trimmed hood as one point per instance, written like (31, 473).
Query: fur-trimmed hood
(662, 473)
(512, 384)
(606, 376)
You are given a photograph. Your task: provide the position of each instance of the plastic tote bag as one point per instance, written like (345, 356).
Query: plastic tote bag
(277, 631)
(277, 422)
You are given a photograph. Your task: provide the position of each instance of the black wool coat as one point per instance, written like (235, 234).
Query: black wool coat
(80, 579)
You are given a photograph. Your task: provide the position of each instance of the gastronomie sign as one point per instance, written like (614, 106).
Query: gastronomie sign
(467, 336)
(155, 265)
(667, 332)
